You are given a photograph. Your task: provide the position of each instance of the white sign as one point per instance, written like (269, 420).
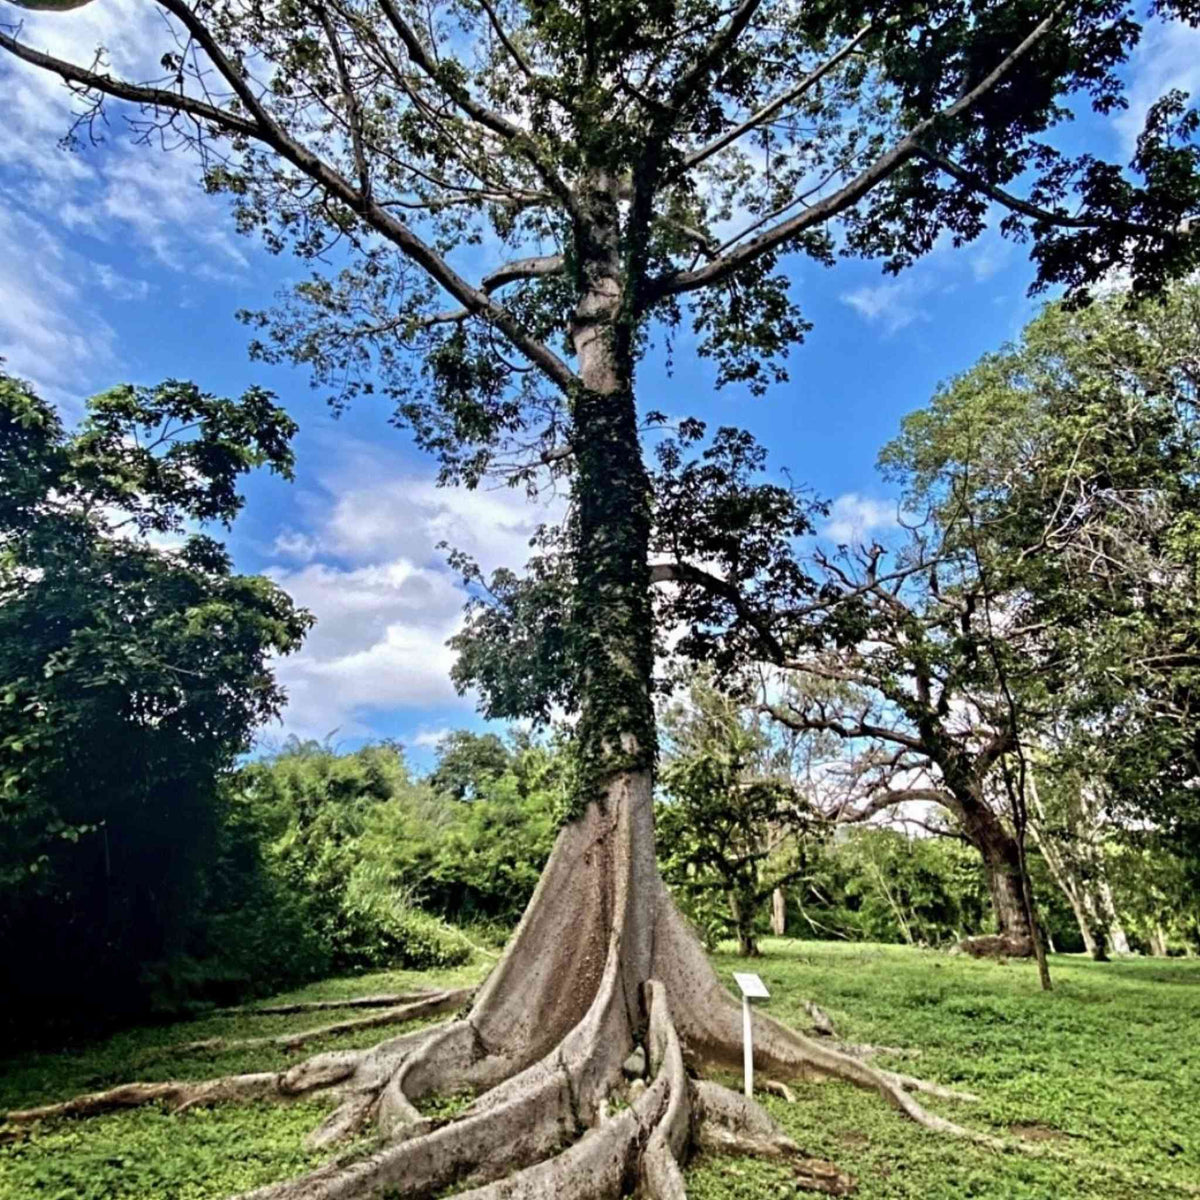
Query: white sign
(752, 987)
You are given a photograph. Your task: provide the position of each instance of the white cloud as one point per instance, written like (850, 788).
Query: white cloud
(1167, 57)
(49, 333)
(379, 643)
(370, 569)
(135, 196)
(294, 545)
(429, 739)
(989, 255)
(893, 305)
(852, 516)
(119, 286)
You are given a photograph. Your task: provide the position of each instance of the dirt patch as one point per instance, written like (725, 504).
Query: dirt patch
(853, 1137)
(1032, 1131)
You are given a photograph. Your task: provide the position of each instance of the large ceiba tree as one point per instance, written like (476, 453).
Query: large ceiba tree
(525, 193)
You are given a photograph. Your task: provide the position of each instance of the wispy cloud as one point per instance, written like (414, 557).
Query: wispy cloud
(50, 333)
(853, 516)
(891, 305)
(1168, 57)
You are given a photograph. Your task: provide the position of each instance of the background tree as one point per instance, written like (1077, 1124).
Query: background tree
(131, 677)
(730, 816)
(1076, 454)
(643, 163)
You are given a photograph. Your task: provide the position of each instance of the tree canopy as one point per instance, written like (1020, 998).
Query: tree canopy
(131, 675)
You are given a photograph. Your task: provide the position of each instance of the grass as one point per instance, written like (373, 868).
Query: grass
(1102, 1076)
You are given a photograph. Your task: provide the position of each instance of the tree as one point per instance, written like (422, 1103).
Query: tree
(131, 677)
(609, 146)
(1071, 832)
(918, 707)
(1075, 454)
(731, 811)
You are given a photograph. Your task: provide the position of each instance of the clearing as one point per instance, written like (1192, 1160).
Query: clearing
(1101, 1078)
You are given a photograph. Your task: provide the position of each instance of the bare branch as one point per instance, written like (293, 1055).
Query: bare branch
(151, 97)
(506, 41)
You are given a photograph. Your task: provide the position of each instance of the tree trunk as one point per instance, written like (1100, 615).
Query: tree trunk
(778, 912)
(1002, 865)
(1081, 919)
(1158, 941)
(742, 912)
(1117, 938)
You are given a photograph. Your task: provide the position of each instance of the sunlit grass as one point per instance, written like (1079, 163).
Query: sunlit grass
(1104, 1073)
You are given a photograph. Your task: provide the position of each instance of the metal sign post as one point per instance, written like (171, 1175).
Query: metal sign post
(752, 988)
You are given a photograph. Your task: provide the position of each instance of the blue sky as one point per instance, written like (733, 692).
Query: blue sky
(114, 266)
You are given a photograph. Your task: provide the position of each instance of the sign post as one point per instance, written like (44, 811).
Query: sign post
(752, 988)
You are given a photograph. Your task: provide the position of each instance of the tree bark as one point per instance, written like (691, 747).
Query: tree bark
(1158, 941)
(778, 912)
(743, 923)
(1002, 865)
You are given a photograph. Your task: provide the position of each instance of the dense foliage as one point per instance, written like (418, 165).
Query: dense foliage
(371, 861)
(131, 677)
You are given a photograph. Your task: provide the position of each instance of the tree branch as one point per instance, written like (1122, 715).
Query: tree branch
(769, 109)
(480, 113)
(805, 723)
(519, 268)
(264, 129)
(505, 40)
(1024, 207)
(679, 572)
(849, 194)
(119, 89)
(693, 78)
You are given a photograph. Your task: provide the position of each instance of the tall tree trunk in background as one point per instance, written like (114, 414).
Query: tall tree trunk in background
(1158, 941)
(778, 912)
(1077, 865)
(741, 909)
(1117, 937)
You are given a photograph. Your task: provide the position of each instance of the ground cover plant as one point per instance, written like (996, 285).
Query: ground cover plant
(1099, 1079)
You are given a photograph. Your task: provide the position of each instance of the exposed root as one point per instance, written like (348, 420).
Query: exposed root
(866, 1050)
(388, 1000)
(776, 1088)
(176, 1094)
(601, 963)
(542, 1083)
(910, 1083)
(733, 1124)
(709, 1023)
(429, 1005)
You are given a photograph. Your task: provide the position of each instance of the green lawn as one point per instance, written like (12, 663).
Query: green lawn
(1102, 1078)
